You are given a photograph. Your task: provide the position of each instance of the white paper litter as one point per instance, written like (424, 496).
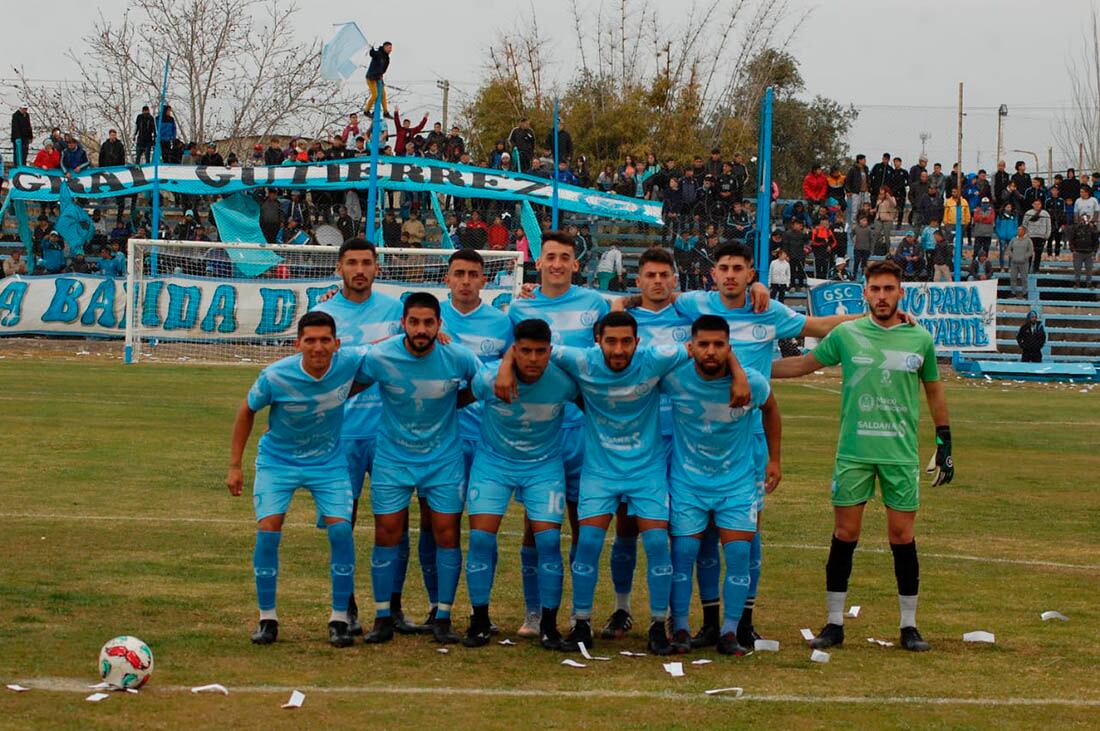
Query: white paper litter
(506, 642)
(819, 656)
(628, 653)
(573, 663)
(585, 654)
(17, 688)
(135, 691)
(853, 611)
(979, 636)
(807, 634)
(297, 698)
(97, 697)
(1045, 616)
(736, 691)
(99, 686)
(442, 650)
(766, 646)
(675, 669)
(702, 661)
(880, 643)
(212, 688)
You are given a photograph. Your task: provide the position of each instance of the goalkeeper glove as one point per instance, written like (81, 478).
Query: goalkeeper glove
(942, 466)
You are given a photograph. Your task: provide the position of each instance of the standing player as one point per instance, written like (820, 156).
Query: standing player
(520, 452)
(418, 450)
(622, 460)
(713, 475)
(883, 361)
(301, 448)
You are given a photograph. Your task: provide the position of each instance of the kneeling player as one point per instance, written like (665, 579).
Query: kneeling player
(713, 474)
(301, 448)
(519, 451)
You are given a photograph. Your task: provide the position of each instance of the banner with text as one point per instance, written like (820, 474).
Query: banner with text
(960, 315)
(394, 173)
(177, 307)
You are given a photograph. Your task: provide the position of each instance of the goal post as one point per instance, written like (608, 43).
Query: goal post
(205, 302)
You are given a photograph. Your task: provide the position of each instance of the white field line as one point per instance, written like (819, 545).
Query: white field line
(77, 685)
(518, 534)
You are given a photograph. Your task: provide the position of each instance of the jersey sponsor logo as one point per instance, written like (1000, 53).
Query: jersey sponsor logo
(862, 359)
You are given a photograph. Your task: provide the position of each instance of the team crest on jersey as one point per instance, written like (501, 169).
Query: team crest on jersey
(866, 402)
(588, 318)
(759, 332)
(488, 346)
(642, 389)
(681, 334)
(913, 362)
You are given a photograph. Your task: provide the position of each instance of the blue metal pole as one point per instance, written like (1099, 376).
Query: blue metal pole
(554, 198)
(155, 232)
(958, 233)
(764, 189)
(377, 120)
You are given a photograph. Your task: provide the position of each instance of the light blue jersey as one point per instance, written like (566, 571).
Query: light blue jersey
(663, 327)
(307, 413)
(529, 428)
(622, 438)
(487, 332)
(713, 445)
(419, 425)
(359, 324)
(753, 336)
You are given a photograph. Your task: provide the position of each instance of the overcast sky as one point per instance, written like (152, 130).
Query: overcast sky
(898, 61)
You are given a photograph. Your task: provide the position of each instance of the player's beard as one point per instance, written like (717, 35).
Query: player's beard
(415, 344)
(889, 315)
(711, 368)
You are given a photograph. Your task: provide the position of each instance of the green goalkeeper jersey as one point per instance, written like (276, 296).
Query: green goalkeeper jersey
(880, 401)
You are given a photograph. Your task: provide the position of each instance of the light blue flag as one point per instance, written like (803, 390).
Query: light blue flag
(337, 54)
(238, 220)
(530, 223)
(73, 223)
(445, 238)
(252, 262)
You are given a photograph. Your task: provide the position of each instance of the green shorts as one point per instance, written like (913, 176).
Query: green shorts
(854, 483)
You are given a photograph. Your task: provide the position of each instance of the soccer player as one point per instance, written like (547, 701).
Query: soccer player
(301, 448)
(622, 460)
(520, 452)
(883, 362)
(417, 450)
(713, 475)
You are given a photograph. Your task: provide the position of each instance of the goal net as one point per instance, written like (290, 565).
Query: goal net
(205, 302)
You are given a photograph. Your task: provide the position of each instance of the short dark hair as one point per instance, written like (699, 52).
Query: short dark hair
(656, 255)
(710, 323)
(356, 244)
(316, 318)
(560, 237)
(885, 266)
(617, 319)
(533, 329)
(733, 250)
(421, 299)
(469, 255)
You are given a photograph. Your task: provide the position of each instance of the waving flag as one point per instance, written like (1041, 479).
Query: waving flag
(337, 55)
(74, 224)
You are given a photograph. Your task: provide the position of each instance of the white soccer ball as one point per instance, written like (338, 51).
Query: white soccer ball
(125, 662)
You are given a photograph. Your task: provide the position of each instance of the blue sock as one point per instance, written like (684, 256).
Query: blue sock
(529, 568)
(586, 569)
(736, 586)
(551, 572)
(572, 552)
(425, 549)
(479, 570)
(708, 566)
(659, 561)
(341, 564)
(684, 551)
(448, 564)
(265, 566)
(382, 566)
(624, 557)
(401, 568)
(755, 554)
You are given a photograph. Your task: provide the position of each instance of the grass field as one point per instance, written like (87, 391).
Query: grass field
(114, 520)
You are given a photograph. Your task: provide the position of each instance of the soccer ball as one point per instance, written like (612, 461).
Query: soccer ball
(125, 662)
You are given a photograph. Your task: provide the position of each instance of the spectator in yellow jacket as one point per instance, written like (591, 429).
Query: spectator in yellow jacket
(949, 208)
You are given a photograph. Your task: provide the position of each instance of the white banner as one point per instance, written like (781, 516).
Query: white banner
(177, 308)
(962, 316)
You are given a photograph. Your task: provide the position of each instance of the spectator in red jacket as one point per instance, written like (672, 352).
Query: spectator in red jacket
(498, 235)
(822, 245)
(815, 186)
(48, 158)
(405, 133)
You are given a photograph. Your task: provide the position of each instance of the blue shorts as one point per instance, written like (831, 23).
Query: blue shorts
(646, 496)
(572, 450)
(760, 459)
(360, 454)
(540, 487)
(328, 483)
(734, 509)
(442, 484)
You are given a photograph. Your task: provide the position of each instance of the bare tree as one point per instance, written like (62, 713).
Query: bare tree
(1079, 126)
(236, 71)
